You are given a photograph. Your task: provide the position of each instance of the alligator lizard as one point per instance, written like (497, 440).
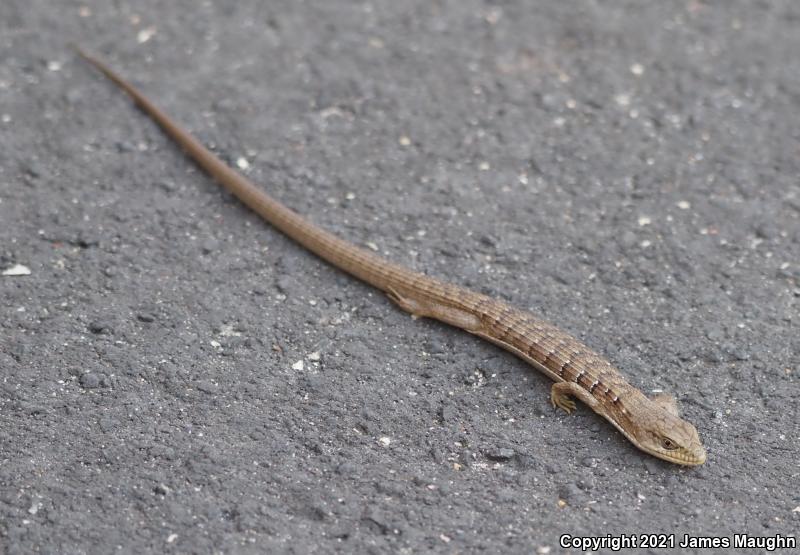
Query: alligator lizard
(651, 423)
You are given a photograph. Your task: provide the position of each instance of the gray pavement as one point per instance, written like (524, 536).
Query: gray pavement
(178, 377)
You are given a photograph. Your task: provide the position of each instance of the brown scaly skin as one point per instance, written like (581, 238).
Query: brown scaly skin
(652, 425)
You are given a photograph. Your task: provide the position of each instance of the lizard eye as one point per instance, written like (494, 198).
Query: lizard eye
(668, 444)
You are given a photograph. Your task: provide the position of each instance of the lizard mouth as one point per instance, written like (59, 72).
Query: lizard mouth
(696, 457)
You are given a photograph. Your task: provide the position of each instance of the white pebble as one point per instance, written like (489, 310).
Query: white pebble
(645, 220)
(227, 330)
(17, 270)
(385, 441)
(145, 35)
(297, 365)
(622, 99)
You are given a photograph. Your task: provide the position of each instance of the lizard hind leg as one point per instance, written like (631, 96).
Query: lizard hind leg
(426, 308)
(407, 304)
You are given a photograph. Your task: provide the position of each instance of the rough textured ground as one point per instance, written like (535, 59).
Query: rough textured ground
(630, 172)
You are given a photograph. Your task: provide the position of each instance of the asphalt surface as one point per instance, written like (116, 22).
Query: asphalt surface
(179, 377)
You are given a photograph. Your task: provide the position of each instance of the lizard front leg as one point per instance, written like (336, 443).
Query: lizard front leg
(561, 393)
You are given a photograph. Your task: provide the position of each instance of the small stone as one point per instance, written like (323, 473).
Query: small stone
(766, 230)
(572, 494)
(525, 461)
(488, 240)
(385, 441)
(229, 330)
(167, 186)
(346, 469)
(297, 365)
(207, 386)
(33, 169)
(714, 356)
(589, 462)
(17, 270)
(99, 327)
(145, 317)
(108, 424)
(145, 34)
(161, 489)
(209, 246)
(586, 484)
(284, 284)
(447, 413)
(735, 352)
(434, 346)
(689, 510)
(499, 454)
(90, 380)
(314, 357)
(87, 239)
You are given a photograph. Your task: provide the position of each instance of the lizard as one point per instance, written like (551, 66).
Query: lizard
(652, 424)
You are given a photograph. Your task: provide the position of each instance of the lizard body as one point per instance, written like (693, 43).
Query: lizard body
(651, 424)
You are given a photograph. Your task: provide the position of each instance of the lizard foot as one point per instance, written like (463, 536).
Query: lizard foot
(561, 399)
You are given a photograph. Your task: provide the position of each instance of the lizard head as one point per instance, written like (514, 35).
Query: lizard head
(667, 436)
